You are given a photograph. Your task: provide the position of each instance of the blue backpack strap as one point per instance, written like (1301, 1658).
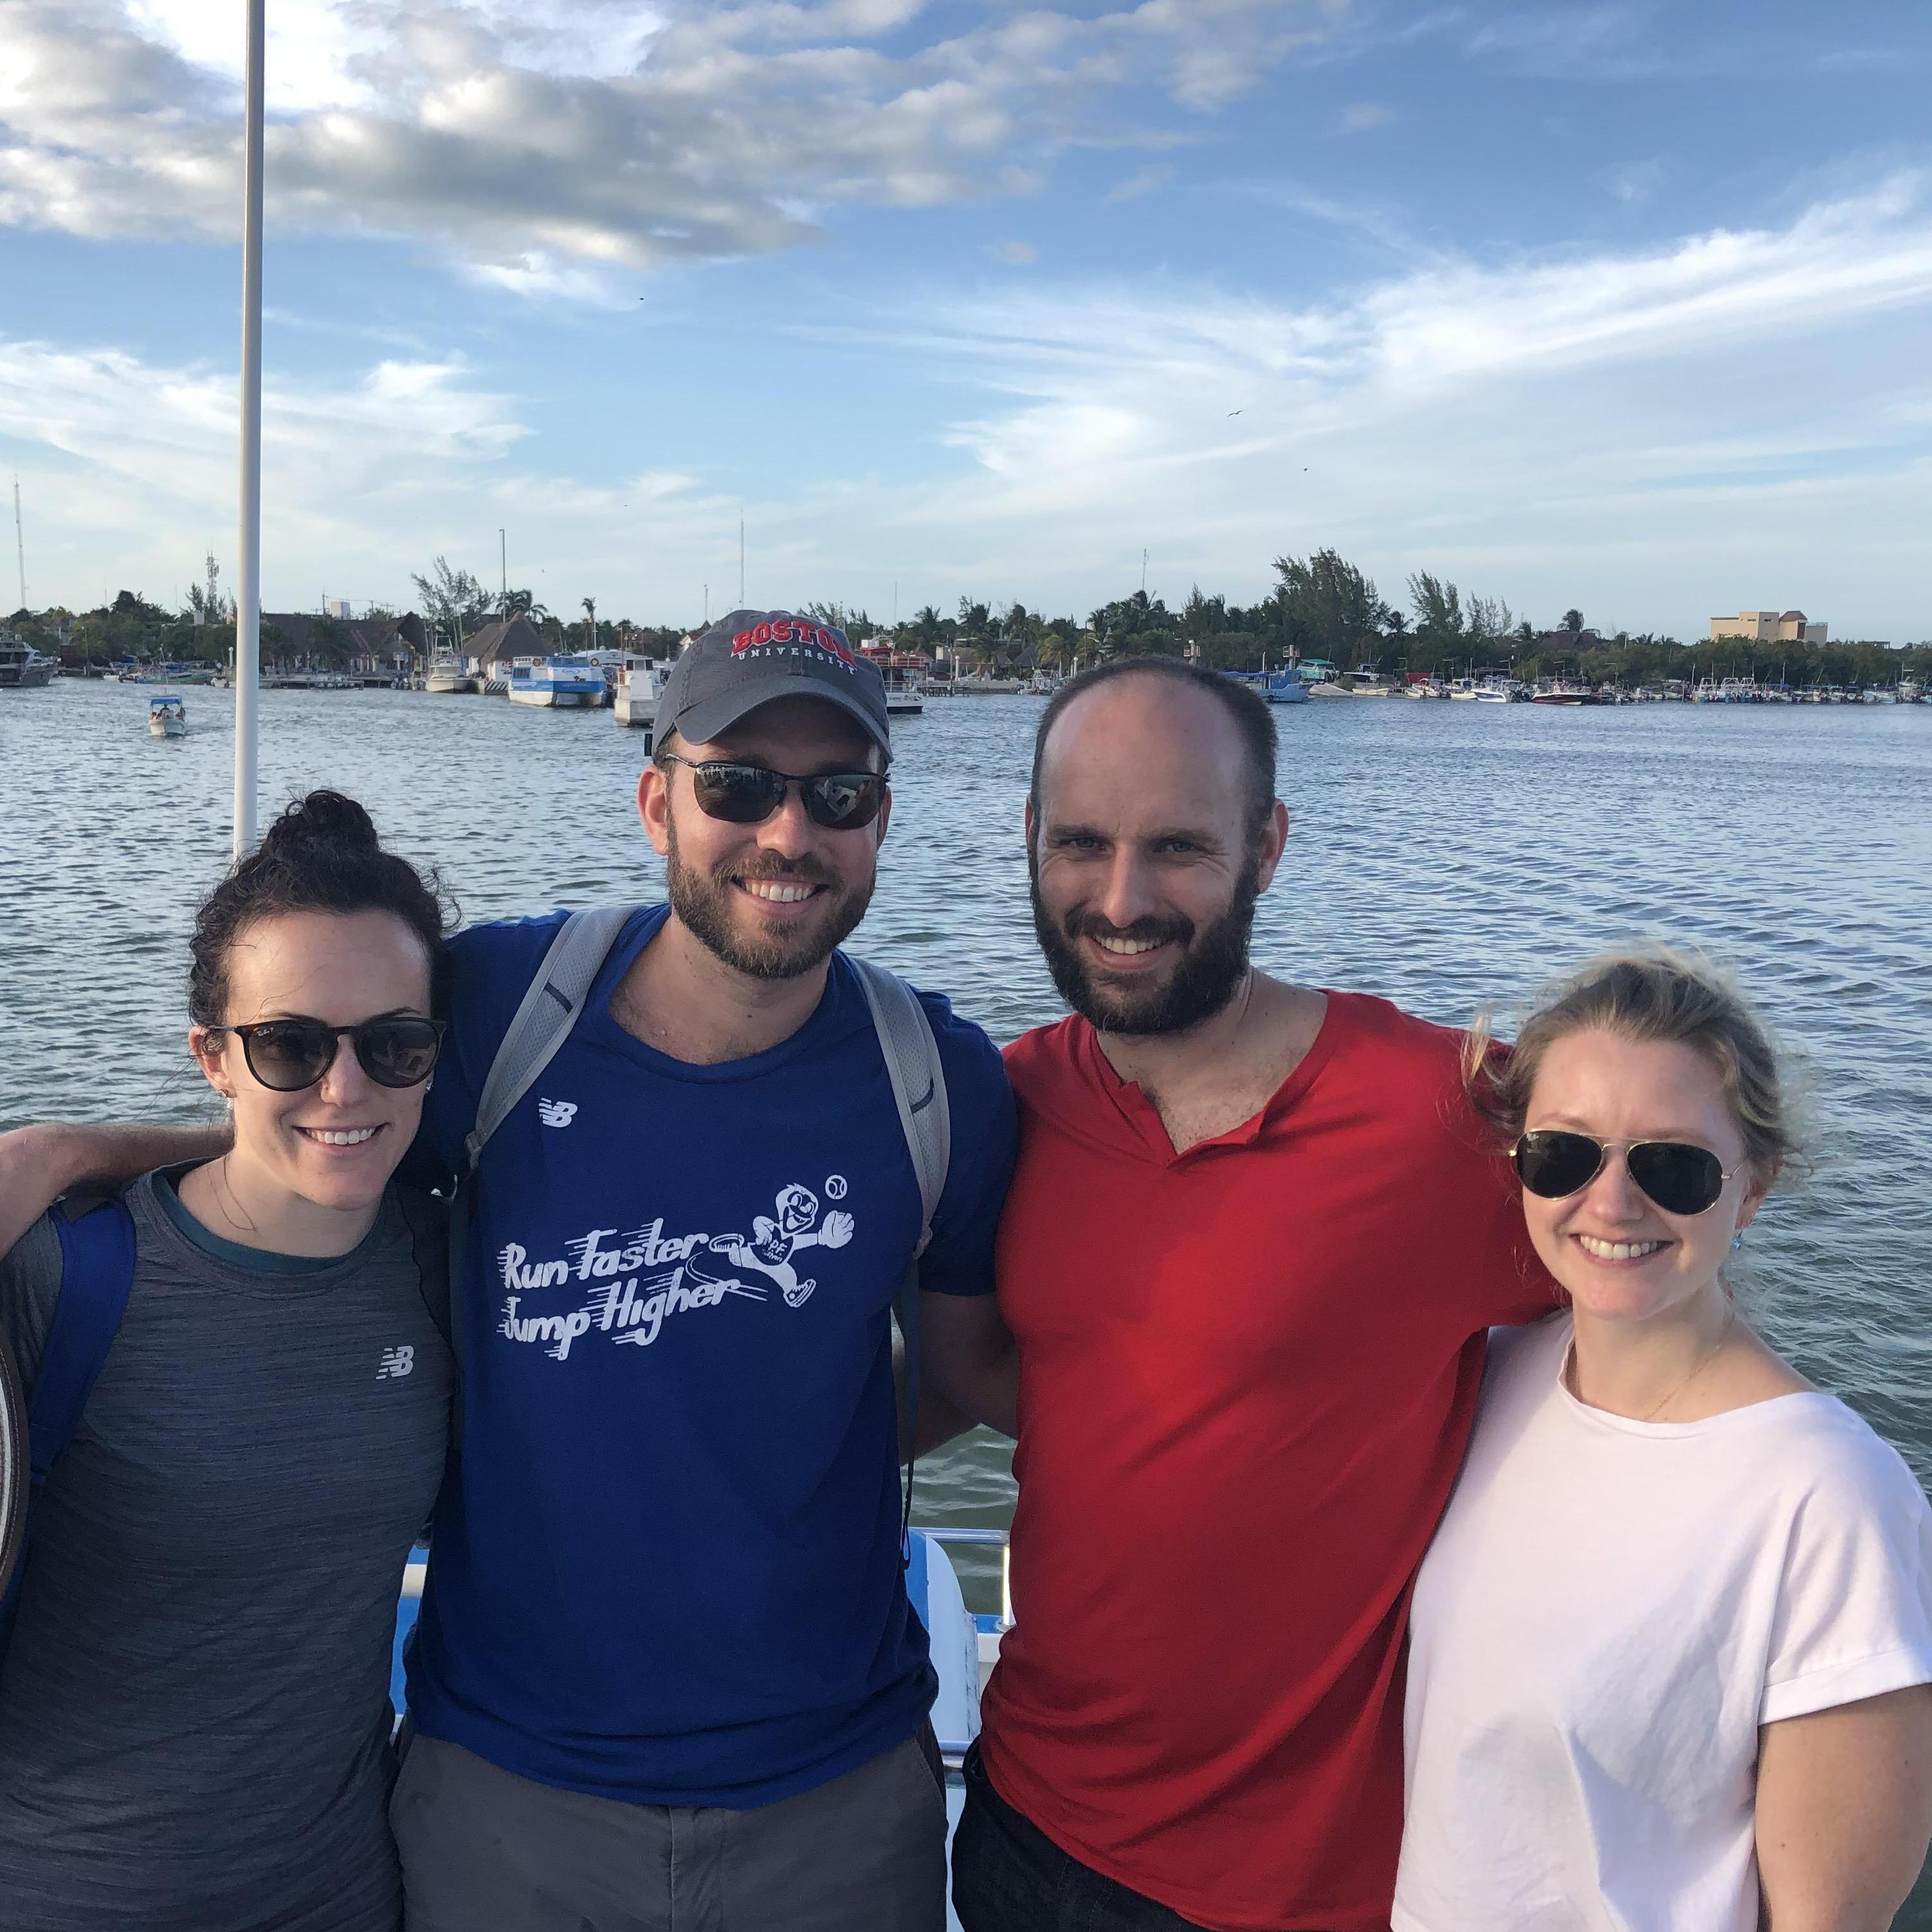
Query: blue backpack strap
(97, 1273)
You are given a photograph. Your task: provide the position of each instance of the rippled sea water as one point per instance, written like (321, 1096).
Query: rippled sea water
(1448, 856)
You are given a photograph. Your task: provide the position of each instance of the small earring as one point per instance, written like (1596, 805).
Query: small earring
(1737, 1241)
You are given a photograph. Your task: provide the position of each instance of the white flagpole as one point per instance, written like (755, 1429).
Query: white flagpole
(248, 589)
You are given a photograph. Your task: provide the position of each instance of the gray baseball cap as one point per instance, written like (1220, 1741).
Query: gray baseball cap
(750, 658)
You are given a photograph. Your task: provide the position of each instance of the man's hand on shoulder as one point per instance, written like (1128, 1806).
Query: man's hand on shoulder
(39, 1164)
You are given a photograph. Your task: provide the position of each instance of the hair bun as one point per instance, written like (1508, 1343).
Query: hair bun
(323, 821)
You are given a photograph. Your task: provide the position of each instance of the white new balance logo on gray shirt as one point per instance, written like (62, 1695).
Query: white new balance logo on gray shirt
(396, 1364)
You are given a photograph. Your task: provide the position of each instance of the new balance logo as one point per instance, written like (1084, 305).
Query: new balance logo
(396, 1364)
(556, 1113)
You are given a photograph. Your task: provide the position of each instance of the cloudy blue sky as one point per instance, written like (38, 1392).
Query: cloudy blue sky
(1623, 305)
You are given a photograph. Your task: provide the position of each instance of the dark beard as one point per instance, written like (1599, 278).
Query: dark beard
(1211, 969)
(704, 904)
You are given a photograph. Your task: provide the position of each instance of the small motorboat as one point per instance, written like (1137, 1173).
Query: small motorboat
(167, 717)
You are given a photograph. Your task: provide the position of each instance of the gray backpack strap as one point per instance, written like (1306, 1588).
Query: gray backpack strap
(542, 1023)
(919, 1086)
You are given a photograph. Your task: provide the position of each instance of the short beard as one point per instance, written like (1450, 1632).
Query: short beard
(1210, 971)
(703, 903)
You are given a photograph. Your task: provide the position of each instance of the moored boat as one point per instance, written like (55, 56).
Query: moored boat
(904, 673)
(21, 667)
(640, 683)
(448, 673)
(566, 682)
(1282, 686)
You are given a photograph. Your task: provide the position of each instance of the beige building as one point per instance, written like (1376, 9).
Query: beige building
(1768, 627)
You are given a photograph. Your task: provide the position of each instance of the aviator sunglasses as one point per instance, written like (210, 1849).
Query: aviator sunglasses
(287, 1055)
(1680, 1177)
(749, 794)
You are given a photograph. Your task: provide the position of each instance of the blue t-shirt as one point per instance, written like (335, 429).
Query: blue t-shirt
(666, 1568)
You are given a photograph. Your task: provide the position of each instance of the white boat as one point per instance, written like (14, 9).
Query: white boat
(21, 667)
(904, 673)
(1371, 684)
(1558, 692)
(167, 717)
(448, 673)
(640, 683)
(566, 681)
(1500, 691)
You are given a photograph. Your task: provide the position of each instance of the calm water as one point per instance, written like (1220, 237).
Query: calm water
(1445, 855)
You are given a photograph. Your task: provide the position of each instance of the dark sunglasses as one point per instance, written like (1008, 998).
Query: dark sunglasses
(749, 794)
(287, 1055)
(1680, 1178)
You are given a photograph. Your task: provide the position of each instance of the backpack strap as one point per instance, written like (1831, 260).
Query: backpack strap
(427, 1222)
(542, 1023)
(13, 1464)
(550, 1006)
(97, 1274)
(918, 1088)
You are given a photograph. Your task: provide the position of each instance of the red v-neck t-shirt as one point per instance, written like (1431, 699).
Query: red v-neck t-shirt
(1248, 1373)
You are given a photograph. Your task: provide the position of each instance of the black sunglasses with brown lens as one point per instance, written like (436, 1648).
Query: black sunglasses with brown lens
(287, 1055)
(743, 794)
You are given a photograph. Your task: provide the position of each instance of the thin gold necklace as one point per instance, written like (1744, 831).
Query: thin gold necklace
(1703, 1362)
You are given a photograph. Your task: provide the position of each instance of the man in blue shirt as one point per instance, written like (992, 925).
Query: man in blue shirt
(667, 1675)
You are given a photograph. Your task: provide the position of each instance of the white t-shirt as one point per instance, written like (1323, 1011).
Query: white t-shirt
(1609, 1611)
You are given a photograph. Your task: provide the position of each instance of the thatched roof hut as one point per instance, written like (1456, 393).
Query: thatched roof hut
(500, 642)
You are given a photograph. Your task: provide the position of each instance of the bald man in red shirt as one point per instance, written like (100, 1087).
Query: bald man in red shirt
(1254, 1242)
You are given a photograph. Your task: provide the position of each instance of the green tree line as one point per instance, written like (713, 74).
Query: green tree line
(1321, 606)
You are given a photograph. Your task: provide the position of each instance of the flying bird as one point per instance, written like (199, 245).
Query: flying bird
(1232, 413)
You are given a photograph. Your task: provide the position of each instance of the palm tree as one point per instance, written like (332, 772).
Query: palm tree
(590, 622)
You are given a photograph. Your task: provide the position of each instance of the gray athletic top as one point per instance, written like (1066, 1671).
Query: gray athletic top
(194, 1711)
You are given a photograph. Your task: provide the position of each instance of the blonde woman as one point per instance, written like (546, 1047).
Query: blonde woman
(1671, 1661)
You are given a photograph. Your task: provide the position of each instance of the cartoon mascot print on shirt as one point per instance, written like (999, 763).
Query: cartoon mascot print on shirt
(774, 1242)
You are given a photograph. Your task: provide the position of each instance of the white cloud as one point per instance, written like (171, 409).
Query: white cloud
(1635, 181)
(1365, 114)
(536, 138)
(1019, 253)
(1648, 430)
(1738, 418)
(1142, 180)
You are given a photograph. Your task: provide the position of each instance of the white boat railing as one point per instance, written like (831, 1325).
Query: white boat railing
(984, 1539)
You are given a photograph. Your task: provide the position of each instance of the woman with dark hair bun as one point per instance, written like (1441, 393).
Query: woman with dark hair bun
(194, 1721)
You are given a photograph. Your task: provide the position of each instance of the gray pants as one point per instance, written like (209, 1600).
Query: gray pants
(485, 1851)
